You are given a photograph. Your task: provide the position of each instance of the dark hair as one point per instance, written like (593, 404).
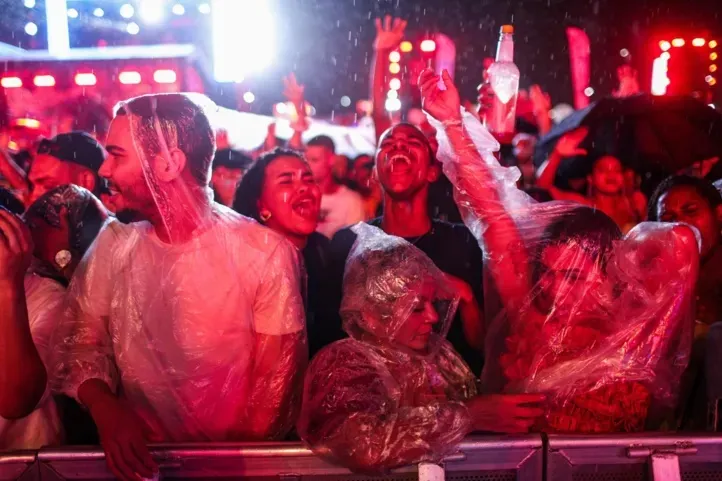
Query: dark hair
(703, 187)
(249, 191)
(184, 125)
(231, 159)
(427, 142)
(10, 202)
(322, 141)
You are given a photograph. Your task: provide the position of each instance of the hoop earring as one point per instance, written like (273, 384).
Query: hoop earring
(265, 215)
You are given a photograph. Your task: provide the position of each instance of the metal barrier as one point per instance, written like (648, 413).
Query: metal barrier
(634, 458)
(478, 459)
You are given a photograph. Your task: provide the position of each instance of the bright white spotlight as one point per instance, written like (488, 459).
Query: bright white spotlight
(588, 91)
(248, 97)
(151, 11)
(345, 101)
(393, 105)
(98, 12)
(56, 15)
(31, 28)
(73, 13)
(133, 28)
(178, 9)
(243, 38)
(127, 10)
(204, 8)
(29, 3)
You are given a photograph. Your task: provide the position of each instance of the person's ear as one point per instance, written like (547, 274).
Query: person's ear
(434, 173)
(87, 180)
(170, 167)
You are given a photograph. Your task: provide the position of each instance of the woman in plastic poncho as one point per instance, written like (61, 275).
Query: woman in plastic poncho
(396, 392)
(599, 323)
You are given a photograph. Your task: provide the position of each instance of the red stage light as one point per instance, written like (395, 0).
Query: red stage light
(428, 46)
(129, 78)
(44, 81)
(11, 82)
(85, 79)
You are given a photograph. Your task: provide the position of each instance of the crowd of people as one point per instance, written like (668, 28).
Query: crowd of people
(164, 287)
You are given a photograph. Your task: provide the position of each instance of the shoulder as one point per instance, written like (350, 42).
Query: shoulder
(348, 358)
(249, 233)
(349, 194)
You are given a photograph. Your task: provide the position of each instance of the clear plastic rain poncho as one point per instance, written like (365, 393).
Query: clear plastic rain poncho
(203, 335)
(393, 393)
(600, 323)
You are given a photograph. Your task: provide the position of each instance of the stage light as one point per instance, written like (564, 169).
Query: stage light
(127, 10)
(73, 13)
(31, 29)
(428, 46)
(243, 35)
(85, 79)
(29, 123)
(345, 101)
(249, 98)
(178, 9)
(660, 81)
(29, 3)
(394, 56)
(394, 68)
(698, 42)
(665, 45)
(393, 105)
(588, 91)
(666, 55)
(713, 68)
(133, 28)
(392, 94)
(11, 82)
(204, 8)
(395, 84)
(129, 78)
(713, 44)
(406, 46)
(624, 53)
(56, 16)
(98, 12)
(708, 78)
(44, 81)
(678, 42)
(151, 11)
(164, 76)
(713, 81)
(713, 56)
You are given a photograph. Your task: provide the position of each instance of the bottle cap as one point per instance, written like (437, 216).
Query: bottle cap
(507, 29)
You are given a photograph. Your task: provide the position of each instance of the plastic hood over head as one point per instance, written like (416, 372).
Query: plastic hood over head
(599, 322)
(385, 280)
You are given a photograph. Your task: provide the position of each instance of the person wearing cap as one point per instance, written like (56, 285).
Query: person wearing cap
(228, 168)
(72, 158)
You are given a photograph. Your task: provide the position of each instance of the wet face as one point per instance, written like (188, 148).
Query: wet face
(321, 160)
(48, 172)
(291, 196)
(224, 182)
(403, 165)
(684, 204)
(362, 172)
(416, 331)
(607, 176)
(568, 274)
(124, 171)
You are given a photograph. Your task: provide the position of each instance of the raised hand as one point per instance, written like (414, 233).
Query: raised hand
(568, 145)
(16, 247)
(222, 141)
(443, 105)
(389, 35)
(540, 100)
(292, 90)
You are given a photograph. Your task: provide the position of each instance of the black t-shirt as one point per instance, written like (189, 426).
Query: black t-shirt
(316, 261)
(454, 251)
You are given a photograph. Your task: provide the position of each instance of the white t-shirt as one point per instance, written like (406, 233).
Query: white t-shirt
(173, 327)
(340, 209)
(44, 299)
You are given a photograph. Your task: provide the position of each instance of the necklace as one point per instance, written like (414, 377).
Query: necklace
(414, 240)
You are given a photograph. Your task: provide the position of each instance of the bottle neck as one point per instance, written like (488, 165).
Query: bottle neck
(505, 50)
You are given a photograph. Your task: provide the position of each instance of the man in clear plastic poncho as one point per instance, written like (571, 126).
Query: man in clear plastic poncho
(599, 322)
(188, 326)
(396, 392)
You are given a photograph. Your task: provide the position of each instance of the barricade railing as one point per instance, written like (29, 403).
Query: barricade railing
(484, 458)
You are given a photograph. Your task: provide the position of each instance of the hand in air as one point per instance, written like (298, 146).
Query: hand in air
(461, 288)
(505, 413)
(389, 35)
(222, 141)
(568, 144)
(292, 90)
(540, 100)
(443, 105)
(16, 247)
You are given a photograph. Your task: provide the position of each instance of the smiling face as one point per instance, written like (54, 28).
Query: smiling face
(291, 196)
(403, 163)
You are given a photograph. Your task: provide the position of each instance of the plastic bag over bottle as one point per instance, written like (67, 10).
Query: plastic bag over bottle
(201, 330)
(599, 322)
(391, 394)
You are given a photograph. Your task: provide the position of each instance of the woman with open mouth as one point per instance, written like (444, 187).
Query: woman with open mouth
(280, 192)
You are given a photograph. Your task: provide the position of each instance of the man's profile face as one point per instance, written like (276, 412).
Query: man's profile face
(47, 173)
(123, 168)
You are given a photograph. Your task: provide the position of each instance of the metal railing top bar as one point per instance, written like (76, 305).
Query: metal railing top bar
(642, 439)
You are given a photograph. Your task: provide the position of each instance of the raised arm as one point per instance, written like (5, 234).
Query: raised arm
(388, 37)
(293, 91)
(477, 189)
(22, 373)
(567, 146)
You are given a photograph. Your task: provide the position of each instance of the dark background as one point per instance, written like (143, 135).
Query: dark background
(328, 43)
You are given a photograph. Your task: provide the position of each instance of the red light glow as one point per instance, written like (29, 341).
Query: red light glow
(11, 82)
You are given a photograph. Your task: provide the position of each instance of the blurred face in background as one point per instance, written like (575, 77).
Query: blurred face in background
(607, 176)
(224, 182)
(48, 172)
(291, 198)
(321, 161)
(362, 173)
